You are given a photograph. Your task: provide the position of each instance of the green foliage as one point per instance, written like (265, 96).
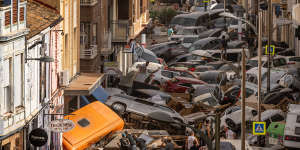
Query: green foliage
(165, 15)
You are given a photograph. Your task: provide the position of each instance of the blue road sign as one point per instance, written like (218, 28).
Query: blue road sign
(259, 128)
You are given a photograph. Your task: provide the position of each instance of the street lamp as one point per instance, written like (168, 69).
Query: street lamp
(42, 59)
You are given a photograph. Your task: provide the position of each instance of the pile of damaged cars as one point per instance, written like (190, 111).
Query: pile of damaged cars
(189, 85)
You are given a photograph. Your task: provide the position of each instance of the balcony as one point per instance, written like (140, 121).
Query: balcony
(89, 53)
(88, 2)
(120, 31)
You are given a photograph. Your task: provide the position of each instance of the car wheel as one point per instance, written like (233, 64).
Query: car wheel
(230, 124)
(119, 108)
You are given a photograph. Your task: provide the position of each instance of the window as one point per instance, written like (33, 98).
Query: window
(22, 16)
(7, 18)
(277, 117)
(94, 40)
(279, 62)
(297, 130)
(167, 74)
(15, 11)
(6, 146)
(298, 119)
(7, 101)
(83, 122)
(186, 84)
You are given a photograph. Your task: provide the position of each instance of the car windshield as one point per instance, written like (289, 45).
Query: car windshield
(189, 22)
(149, 57)
(186, 32)
(190, 39)
(297, 59)
(279, 62)
(234, 22)
(254, 63)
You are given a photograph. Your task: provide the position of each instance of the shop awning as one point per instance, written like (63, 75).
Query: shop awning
(99, 94)
(84, 84)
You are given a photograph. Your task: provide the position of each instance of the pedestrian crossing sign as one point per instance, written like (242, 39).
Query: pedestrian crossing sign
(272, 50)
(205, 1)
(259, 128)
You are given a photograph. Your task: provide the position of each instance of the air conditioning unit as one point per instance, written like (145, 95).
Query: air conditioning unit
(64, 78)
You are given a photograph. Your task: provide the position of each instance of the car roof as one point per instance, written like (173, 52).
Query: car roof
(205, 40)
(270, 112)
(265, 57)
(188, 79)
(193, 15)
(209, 32)
(191, 27)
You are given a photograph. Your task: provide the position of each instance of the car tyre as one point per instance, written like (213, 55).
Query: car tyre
(119, 108)
(230, 124)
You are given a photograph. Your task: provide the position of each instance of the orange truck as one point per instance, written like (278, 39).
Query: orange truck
(93, 123)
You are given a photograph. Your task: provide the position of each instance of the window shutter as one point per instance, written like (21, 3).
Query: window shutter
(15, 11)
(7, 18)
(22, 14)
(18, 81)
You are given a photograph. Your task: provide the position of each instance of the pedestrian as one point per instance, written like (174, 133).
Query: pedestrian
(191, 139)
(195, 145)
(170, 31)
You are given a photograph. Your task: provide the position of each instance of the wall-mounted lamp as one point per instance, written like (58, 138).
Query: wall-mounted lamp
(42, 59)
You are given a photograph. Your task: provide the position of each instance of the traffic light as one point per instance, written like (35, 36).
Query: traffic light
(263, 5)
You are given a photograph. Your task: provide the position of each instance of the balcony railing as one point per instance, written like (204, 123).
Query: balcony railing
(88, 2)
(89, 53)
(119, 30)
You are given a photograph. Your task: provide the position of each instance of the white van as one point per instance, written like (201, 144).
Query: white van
(292, 127)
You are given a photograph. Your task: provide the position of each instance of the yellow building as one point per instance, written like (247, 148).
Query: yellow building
(70, 11)
(76, 83)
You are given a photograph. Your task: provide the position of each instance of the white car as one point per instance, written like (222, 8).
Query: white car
(161, 76)
(232, 118)
(292, 127)
(152, 67)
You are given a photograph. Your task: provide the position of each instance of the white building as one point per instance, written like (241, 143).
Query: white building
(12, 44)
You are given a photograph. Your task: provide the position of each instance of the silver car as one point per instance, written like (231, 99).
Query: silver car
(128, 104)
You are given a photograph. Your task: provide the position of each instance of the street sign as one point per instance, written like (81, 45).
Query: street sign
(61, 125)
(38, 137)
(272, 50)
(206, 1)
(259, 128)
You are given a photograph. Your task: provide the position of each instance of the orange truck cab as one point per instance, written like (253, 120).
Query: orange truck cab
(93, 123)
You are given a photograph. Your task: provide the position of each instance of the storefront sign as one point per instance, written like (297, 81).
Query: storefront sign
(38, 137)
(61, 125)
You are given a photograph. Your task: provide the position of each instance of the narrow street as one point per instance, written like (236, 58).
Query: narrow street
(150, 75)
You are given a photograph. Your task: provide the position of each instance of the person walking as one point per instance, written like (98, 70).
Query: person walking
(170, 31)
(191, 139)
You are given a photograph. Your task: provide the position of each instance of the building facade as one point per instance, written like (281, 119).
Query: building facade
(12, 45)
(127, 18)
(94, 35)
